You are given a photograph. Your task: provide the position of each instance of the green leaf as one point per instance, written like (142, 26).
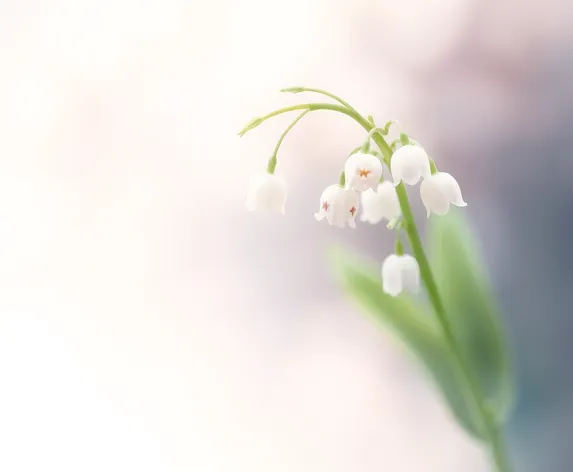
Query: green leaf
(471, 308)
(411, 322)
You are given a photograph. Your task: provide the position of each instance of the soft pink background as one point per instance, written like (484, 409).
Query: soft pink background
(147, 321)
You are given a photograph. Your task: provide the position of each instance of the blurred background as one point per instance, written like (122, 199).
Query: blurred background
(149, 323)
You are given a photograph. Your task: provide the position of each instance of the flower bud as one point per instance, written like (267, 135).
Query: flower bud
(267, 192)
(409, 164)
(399, 273)
(438, 191)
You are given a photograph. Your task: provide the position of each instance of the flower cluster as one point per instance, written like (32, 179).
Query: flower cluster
(362, 185)
(375, 183)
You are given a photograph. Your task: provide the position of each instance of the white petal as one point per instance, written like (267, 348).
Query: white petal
(267, 192)
(410, 273)
(388, 199)
(330, 191)
(369, 217)
(381, 204)
(368, 204)
(371, 213)
(411, 175)
(409, 164)
(451, 188)
(392, 275)
(337, 214)
(433, 196)
(424, 163)
(396, 171)
(336, 218)
(352, 202)
(362, 171)
(340, 203)
(253, 190)
(350, 167)
(328, 195)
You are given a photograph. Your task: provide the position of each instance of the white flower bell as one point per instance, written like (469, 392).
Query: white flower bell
(379, 205)
(339, 206)
(267, 192)
(438, 191)
(399, 273)
(409, 164)
(362, 171)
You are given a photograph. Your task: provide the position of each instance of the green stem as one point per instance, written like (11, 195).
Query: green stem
(310, 107)
(388, 125)
(273, 159)
(394, 143)
(433, 168)
(366, 146)
(286, 131)
(487, 420)
(491, 430)
(322, 92)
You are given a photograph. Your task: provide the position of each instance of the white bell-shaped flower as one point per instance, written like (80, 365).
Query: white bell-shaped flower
(409, 164)
(339, 206)
(381, 204)
(400, 272)
(362, 171)
(267, 192)
(438, 191)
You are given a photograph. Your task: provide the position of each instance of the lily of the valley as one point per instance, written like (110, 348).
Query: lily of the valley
(409, 164)
(362, 171)
(400, 272)
(267, 192)
(381, 204)
(339, 206)
(438, 191)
